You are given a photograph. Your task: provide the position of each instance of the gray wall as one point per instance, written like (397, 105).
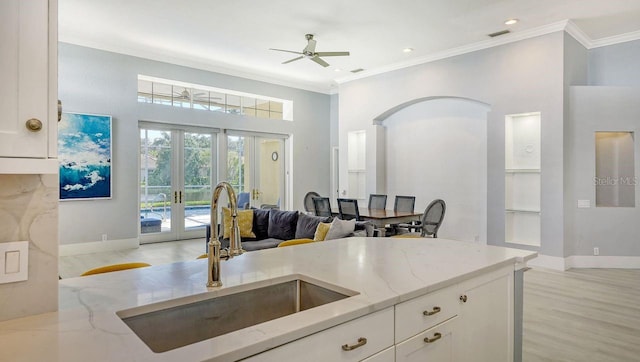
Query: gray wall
(615, 65)
(614, 230)
(575, 73)
(94, 81)
(525, 76)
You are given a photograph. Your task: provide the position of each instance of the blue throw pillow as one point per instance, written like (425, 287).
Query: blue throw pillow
(282, 224)
(307, 225)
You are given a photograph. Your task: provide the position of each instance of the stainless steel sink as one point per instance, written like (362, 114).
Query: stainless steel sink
(168, 325)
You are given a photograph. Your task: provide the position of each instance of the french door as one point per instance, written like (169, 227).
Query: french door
(256, 169)
(177, 169)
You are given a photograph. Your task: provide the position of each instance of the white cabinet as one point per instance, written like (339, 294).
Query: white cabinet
(28, 94)
(436, 344)
(485, 330)
(469, 321)
(351, 341)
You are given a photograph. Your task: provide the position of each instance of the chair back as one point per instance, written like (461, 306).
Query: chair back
(404, 204)
(377, 201)
(348, 209)
(432, 218)
(308, 200)
(243, 200)
(321, 206)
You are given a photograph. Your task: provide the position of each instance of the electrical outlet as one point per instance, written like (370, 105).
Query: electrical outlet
(104, 237)
(596, 251)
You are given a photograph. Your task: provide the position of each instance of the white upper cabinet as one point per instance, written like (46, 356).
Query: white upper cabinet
(28, 91)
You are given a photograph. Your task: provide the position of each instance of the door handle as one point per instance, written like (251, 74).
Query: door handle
(180, 196)
(175, 197)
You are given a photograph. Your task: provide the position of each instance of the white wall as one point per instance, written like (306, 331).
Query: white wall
(99, 82)
(526, 76)
(437, 149)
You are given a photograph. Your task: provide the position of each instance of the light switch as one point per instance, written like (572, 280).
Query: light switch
(584, 204)
(14, 261)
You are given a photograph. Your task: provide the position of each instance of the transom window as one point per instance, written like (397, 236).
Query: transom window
(184, 95)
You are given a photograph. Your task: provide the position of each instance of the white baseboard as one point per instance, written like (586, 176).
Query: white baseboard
(585, 261)
(98, 246)
(617, 262)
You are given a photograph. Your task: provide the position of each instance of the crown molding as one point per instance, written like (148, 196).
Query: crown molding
(485, 44)
(616, 39)
(579, 35)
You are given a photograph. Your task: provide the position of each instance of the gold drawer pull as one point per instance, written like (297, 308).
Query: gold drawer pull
(361, 342)
(463, 298)
(434, 311)
(436, 336)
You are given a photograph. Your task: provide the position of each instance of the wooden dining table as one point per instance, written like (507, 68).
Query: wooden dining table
(381, 217)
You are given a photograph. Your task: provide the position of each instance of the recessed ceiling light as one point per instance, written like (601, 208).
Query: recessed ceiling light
(510, 21)
(407, 50)
(337, 70)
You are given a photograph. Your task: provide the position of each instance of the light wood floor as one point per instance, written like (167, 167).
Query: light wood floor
(581, 315)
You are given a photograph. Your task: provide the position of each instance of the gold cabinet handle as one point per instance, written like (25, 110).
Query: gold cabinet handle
(432, 312)
(361, 342)
(34, 125)
(463, 298)
(436, 336)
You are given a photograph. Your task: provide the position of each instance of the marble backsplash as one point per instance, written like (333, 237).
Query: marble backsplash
(29, 211)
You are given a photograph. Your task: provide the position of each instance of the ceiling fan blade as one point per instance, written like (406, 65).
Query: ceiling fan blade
(319, 61)
(292, 60)
(287, 51)
(311, 46)
(331, 54)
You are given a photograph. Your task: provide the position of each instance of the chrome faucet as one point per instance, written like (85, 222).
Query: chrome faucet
(235, 247)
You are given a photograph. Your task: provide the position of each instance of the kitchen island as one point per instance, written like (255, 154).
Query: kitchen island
(391, 278)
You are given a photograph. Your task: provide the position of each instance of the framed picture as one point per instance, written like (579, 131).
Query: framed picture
(84, 154)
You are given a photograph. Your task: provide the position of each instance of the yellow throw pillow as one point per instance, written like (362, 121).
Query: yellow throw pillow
(321, 231)
(294, 242)
(245, 222)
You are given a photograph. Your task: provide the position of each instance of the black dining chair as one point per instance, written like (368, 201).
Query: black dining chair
(308, 201)
(348, 209)
(403, 204)
(321, 206)
(377, 201)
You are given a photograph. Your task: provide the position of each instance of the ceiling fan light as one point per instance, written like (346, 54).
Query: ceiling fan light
(337, 70)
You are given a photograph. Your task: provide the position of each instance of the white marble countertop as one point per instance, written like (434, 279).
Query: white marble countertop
(384, 271)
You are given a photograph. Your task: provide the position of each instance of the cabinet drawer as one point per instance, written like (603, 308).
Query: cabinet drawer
(326, 345)
(422, 313)
(388, 355)
(439, 347)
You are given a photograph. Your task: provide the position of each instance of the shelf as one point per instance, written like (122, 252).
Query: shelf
(523, 211)
(522, 170)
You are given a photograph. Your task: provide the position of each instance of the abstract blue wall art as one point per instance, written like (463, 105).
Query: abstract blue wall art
(84, 154)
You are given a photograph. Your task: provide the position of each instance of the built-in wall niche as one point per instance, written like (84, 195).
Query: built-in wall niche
(615, 180)
(356, 154)
(522, 179)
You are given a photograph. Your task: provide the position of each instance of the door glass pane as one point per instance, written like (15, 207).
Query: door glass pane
(197, 179)
(237, 173)
(155, 181)
(269, 171)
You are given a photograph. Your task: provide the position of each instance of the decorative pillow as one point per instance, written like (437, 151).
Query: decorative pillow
(261, 223)
(282, 224)
(321, 231)
(245, 222)
(340, 229)
(294, 242)
(307, 225)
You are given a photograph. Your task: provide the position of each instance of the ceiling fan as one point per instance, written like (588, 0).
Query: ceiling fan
(309, 52)
(196, 96)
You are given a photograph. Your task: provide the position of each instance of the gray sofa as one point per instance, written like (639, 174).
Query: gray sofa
(272, 226)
